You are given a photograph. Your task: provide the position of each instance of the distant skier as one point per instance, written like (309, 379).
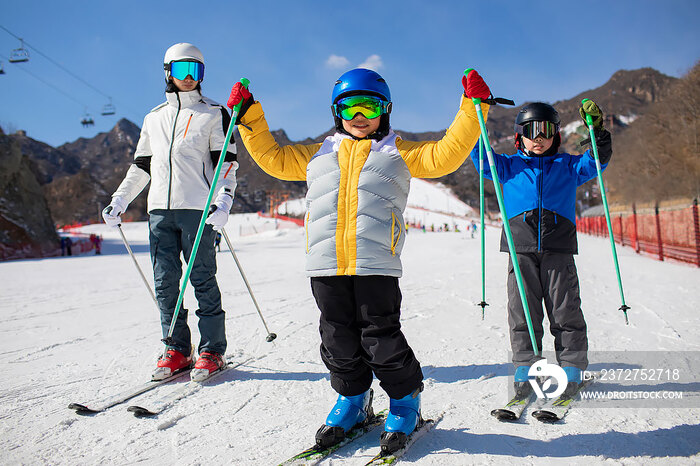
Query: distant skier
(358, 182)
(217, 241)
(539, 191)
(178, 150)
(472, 228)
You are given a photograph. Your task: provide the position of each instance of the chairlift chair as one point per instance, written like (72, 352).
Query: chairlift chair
(109, 109)
(87, 120)
(19, 55)
(2, 71)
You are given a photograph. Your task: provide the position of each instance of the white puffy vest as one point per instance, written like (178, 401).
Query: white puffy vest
(354, 223)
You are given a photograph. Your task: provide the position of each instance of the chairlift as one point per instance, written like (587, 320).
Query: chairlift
(87, 120)
(109, 109)
(19, 55)
(2, 71)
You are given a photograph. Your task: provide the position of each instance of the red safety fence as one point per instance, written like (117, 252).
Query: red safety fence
(663, 232)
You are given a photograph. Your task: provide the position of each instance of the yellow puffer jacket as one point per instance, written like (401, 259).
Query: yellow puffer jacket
(358, 189)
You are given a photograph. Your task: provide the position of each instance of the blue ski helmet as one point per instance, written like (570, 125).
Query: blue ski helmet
(361, 81)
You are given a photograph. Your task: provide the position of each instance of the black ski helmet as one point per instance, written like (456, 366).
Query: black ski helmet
(537, 111)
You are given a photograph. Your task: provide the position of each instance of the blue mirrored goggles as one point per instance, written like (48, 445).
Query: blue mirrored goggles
(181, 69)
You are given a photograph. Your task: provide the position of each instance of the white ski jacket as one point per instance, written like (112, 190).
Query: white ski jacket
(179, 147)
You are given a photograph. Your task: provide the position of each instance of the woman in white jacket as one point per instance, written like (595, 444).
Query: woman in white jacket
(178, 150)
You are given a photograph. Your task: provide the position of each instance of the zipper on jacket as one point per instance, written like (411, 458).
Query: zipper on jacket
(394, 223)
(188, 126)
(170, 152)
(348, 184)
(306, 230)
(540, 165)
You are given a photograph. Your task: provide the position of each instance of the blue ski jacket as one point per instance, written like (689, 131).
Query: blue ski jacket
(539, 194)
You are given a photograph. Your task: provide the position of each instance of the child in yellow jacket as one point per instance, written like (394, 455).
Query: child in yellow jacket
(358, 181)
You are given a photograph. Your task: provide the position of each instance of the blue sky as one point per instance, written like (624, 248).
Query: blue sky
(293, 52)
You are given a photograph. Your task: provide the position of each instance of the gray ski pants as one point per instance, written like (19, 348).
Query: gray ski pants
(552, 278)
(173, 232)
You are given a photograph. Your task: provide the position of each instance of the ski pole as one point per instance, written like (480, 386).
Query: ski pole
(594, 146)
(504, 217)
(270, 336)
(198, 238)
(143, 277)
(483, 302)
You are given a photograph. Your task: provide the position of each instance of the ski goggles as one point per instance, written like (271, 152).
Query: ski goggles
(366, 105)
(181, 69)
(532, 129)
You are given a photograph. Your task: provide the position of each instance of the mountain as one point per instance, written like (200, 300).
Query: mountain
(660, 149)
(26, 226)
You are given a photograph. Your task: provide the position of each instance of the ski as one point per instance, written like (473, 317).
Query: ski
(557, 409)
(514, 408)
(166, 401)
(126, 395)
(391, 458)
(313, 454)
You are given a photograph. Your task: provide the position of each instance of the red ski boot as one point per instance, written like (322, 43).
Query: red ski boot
(173, 362)
(206, 365)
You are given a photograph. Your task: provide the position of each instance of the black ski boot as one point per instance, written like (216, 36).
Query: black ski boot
(522, 389)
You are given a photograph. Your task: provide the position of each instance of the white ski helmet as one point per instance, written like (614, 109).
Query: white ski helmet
(181, 51)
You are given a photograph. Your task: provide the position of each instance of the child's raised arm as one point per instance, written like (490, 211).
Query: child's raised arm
(432, 159)
(283, 162)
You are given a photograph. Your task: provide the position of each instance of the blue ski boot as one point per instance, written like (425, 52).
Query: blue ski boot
(404, 416)
(521, 382)
(573, 374)
(348, 412)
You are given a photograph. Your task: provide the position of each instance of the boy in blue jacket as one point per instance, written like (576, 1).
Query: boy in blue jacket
(539, 191)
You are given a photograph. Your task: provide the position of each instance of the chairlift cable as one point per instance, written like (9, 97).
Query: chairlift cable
(55, 62)
(82, 104)
(63, 68)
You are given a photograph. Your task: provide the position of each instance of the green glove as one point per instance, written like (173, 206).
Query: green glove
(591, 108)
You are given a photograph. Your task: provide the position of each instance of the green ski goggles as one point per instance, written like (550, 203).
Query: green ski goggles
(368, 106)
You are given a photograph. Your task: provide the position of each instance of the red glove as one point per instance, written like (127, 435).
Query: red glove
(474, 86)
(239, 93)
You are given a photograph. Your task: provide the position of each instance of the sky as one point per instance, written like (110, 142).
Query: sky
(293, 52)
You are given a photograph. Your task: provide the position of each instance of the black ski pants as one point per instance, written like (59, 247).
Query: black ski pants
(361, 334)
(552, 278)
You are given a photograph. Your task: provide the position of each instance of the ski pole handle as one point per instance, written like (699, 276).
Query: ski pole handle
(589, 119)
(491, 100)
(476, 100)
(237, 108)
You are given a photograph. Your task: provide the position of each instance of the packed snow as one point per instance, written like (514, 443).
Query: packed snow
(80, 328)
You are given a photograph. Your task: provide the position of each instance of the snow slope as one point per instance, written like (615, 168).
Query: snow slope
(75, 329)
